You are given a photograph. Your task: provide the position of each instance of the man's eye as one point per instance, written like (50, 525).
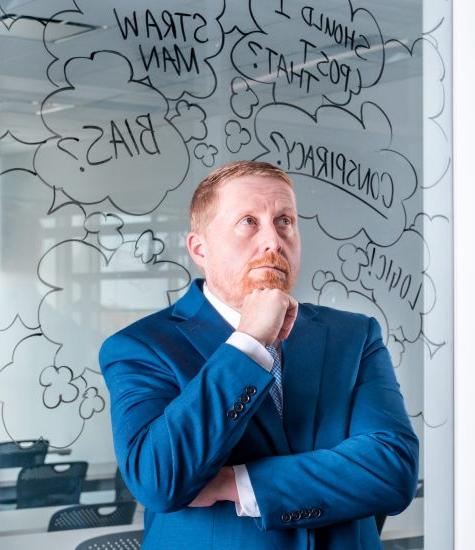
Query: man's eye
(286, 220)
(248, 220)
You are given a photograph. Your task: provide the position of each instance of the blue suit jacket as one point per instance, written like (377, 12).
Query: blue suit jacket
(344, 451)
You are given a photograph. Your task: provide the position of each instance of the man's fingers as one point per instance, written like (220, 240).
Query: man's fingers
(289, 319)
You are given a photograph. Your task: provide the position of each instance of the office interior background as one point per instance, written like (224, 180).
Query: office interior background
(110, 114)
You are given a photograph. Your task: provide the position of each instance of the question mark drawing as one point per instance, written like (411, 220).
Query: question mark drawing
(62, 148)
(253, 46)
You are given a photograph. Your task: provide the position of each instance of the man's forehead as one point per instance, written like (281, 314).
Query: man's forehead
(252, 189)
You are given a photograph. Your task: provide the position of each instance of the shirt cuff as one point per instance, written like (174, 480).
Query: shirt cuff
(247, 505)
(251, 347)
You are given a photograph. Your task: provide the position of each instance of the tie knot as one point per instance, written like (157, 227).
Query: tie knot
(274, 346)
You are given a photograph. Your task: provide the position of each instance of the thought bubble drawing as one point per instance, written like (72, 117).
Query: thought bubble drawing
(91, 403)
(327, 49)
(107, 229)
(120, 147)
(170, 46)
(19, 116)
(422, 59)
(333, 293)
(148, 248)
(59, 387)
(237, 17)
(24, 414)
(16, 155)
(243, 98)
(40, 400)
(396, 349)
(99, 294)
(11, 337)
(438, 322)
(353, 258)
(346, 174)
(25, 204)
(236, 136)
(190, 121)
(206, 153)
(398, 279)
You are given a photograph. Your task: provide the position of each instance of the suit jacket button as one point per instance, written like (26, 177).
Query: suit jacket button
(232, 414)
(305, 514)
(316, 512)
(250, 390)
(238, 406)
(244, 398)
(296, 515)
(285, 517)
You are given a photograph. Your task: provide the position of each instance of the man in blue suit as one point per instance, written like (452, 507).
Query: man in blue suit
(244, 419)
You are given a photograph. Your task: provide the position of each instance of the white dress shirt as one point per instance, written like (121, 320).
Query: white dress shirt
(247, 505)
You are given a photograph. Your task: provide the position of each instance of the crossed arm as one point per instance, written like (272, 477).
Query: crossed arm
(172, 446)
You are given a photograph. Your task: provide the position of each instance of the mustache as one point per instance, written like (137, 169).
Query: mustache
(272, 259)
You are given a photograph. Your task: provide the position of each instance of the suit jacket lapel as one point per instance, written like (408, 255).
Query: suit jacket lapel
(206, 330)
(303, 357)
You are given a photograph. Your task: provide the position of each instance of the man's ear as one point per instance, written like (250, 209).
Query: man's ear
(197, 248)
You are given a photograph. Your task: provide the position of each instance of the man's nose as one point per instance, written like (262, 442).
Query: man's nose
(271, 239)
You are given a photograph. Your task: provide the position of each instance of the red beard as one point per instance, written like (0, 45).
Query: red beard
(267, 278)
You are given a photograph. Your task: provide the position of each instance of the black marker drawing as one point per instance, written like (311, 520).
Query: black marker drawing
(353, 259)
(236, 136)
(101, 224)
(58, 386)
(396, 349)
(237, 17)
(206, 153)
(69, 312)
(20, 116)
(106, 149)
(148, 247)
(91, 403)
(171, 47)
(243, 98)
(436, 232)
(351, 168)
(11, 337)
(23, 149)
(426, 62)
(190, 121)
(41, 421)
(333, 293)
(398, 280)
(322, 53)
(25, 203)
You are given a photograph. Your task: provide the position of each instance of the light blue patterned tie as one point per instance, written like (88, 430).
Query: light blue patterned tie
(276, 388)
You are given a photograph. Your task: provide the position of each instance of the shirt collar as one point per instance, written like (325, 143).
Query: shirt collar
(230, 315)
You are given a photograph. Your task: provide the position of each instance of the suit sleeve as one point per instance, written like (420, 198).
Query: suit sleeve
(170, 442)
(373, 471)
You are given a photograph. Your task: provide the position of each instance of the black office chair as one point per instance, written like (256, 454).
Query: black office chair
(50, 484)
(127, 540)
(20, 454)
(93, 515)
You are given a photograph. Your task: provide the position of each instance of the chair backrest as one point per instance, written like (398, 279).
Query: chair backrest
(121, 490)
(93, 515)
(50, 484)
(127, 540)
(19, 454)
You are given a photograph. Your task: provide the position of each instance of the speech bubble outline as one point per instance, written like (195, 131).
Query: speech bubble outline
(83, 183)
(269, 125)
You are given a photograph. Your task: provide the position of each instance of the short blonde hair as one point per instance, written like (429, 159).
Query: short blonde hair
(204, 204)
